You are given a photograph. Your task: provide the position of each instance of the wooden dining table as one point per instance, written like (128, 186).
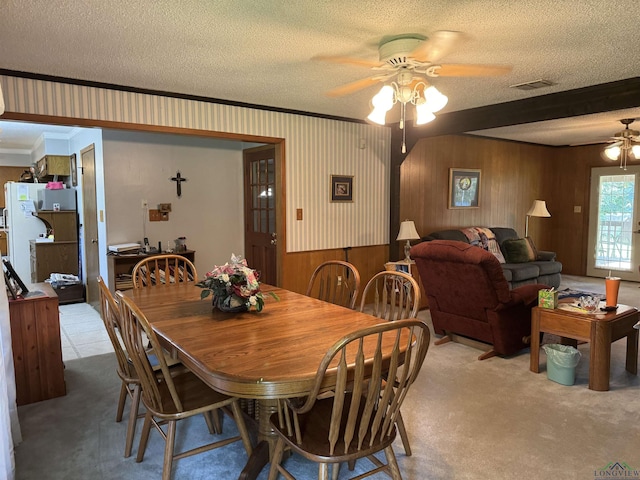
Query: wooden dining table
(266, 356)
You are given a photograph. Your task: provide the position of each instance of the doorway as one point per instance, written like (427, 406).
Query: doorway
(613, 242)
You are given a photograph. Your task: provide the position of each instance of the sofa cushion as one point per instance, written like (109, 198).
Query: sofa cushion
(504, 233)
(522, 271)
(447, 235)
(517, 250)
(548, 268)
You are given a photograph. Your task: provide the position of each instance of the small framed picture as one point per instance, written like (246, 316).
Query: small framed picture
(464, 188)
(74, 170)
(341, 188)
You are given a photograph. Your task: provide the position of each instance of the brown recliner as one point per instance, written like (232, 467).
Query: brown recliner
(468, 295)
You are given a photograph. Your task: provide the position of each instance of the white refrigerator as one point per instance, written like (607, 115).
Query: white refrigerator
(21, 226)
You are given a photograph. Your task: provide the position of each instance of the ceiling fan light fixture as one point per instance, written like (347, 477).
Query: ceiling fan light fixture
(612, 153)
(424, 114)
(627, 145)
(435, 99)
(382, 102)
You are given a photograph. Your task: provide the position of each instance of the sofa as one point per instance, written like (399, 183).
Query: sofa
(469, 296)
(521, 262)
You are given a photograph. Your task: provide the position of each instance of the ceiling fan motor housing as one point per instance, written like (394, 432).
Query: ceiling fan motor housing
(396, 50)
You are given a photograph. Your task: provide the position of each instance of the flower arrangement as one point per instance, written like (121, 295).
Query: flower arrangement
(235, 286)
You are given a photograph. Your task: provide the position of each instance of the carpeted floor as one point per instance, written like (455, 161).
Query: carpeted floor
(466, 419)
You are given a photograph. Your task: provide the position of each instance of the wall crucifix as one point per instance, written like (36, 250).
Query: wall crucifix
(178, 179)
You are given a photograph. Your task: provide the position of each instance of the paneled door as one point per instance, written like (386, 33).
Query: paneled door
(614, 238)
(261, 205)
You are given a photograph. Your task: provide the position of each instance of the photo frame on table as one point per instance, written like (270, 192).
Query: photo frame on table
(10, 286)
(14, 283)
(464, 188)
(74, 170)
(341, 188)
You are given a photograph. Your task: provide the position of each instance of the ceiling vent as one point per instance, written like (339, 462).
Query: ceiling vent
(533, 85)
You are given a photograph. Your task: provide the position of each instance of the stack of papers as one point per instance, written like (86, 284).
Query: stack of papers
(124, 247)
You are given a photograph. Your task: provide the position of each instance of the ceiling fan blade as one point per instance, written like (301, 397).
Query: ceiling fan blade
(438, 45)
(359, 62)
(354, 86)
(459, 70)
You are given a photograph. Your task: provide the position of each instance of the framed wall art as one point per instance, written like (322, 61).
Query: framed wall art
(464, 188)
(341, 188)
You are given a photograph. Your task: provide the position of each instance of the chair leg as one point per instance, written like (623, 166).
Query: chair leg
(121, 400)
(335, 470)
(133, 419)
(394, 470)
(403, 434)
(144, 437)
(276, 459)
(210, 422)
(168, 450)
(217, 420)
(242, 427)
(323, 471)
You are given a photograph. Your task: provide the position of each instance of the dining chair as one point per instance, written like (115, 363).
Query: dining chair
(169, 398)
(163, 269)
(391, 295)
(336, 282)
(373, 369)
(110, 313)
(396, 295)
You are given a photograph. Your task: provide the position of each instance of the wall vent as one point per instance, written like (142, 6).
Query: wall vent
(533, 85)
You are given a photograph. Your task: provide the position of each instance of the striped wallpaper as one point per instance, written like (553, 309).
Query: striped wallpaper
(315, 148)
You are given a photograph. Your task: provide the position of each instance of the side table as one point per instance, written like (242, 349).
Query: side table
(600, 330)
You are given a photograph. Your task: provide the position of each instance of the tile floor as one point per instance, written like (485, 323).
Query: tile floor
(82, 332)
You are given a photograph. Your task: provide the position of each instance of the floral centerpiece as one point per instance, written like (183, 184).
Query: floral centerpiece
(235, 287)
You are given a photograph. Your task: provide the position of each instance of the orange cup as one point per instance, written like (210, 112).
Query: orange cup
(612, 286)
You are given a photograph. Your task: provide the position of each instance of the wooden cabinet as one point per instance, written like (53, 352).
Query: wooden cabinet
(37, 350)
(61, 255)
(3, 243)
(50, 165)
(411, 269)
(121, 266)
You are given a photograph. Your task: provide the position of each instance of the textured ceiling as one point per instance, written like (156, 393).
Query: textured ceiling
(260, 52)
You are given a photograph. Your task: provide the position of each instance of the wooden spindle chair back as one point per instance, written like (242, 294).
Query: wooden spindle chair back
(163, 269)
(391, 296)
(335, 282)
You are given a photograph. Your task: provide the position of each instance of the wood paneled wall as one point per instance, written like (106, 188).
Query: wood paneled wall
(298, 266)
(513, 175)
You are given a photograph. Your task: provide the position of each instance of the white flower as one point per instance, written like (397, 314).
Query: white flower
(253, 300)
(225, 277)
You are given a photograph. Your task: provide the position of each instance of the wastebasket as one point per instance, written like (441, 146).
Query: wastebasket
(561, 363)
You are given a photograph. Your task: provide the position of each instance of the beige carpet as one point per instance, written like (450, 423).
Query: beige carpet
(466, 419)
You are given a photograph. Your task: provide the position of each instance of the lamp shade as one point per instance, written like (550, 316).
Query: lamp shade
(538, 209)
(408, 231)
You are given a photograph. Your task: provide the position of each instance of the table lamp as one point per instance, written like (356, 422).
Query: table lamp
(538, 209)
(407, 232)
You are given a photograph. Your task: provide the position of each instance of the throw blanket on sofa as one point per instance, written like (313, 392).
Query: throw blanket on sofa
(485, 239)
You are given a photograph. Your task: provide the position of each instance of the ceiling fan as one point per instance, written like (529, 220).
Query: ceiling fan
(405, 63)
(625, 144)
(411, 57)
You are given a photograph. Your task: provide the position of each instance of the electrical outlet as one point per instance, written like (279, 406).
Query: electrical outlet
(339, 280)
(145, 204)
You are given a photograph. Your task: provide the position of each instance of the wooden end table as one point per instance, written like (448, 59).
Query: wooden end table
(601, 330)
